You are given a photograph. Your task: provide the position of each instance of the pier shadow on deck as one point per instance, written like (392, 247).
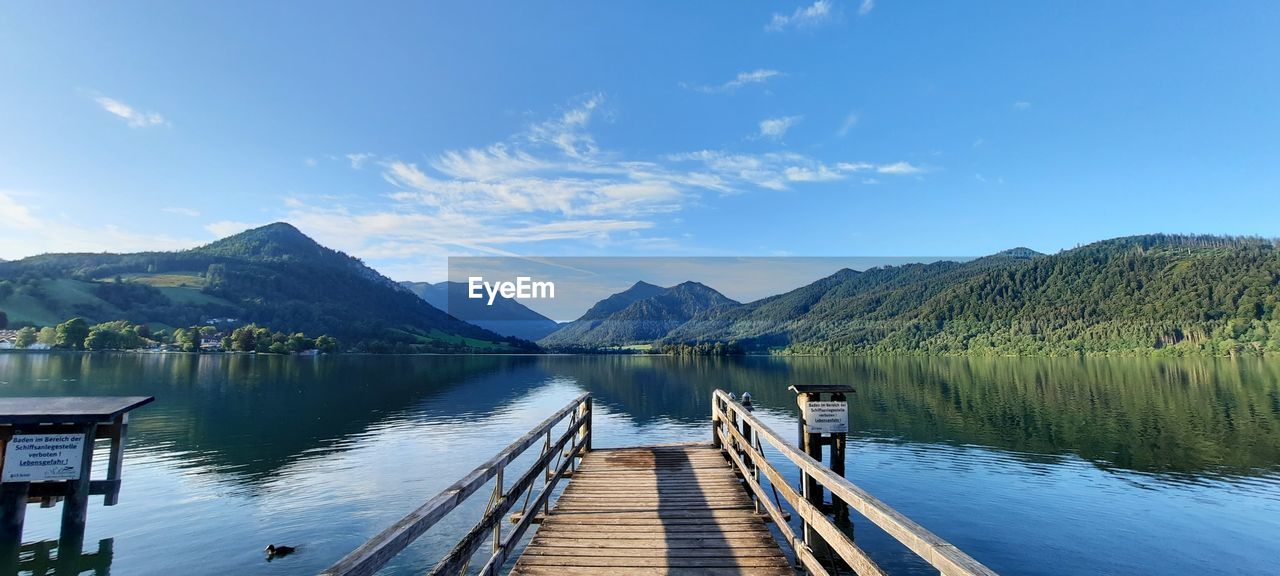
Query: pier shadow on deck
(676, 509)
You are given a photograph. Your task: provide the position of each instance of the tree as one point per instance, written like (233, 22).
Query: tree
(4, 320)
(47, 336)
(101, 339)
(299, 342)
(327, 344)
(26, 337)
(72, 334)
(187, 339)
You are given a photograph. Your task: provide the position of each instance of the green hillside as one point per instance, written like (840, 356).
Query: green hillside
(273, 276)
(1156, 294)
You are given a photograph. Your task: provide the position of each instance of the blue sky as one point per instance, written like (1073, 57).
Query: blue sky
(406, 133)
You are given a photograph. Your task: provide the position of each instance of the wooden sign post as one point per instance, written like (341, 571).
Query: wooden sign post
(823, 423)
(46, 455)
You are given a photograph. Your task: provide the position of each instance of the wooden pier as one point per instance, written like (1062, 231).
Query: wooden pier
(654, 510)
(720, 508)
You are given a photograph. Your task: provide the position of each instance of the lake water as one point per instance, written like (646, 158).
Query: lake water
(1032, 466)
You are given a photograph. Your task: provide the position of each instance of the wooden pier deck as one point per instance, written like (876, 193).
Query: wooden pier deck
(654, 510)
(679, 509)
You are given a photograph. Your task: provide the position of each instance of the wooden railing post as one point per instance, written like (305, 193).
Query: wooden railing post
(749, 436)
(584, 433)
(716, 408)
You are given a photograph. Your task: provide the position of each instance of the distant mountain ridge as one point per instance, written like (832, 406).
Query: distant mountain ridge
(640, 314)
(504, 316)
(1151, 294)
(273, 275)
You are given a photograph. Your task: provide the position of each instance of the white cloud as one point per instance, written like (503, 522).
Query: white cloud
(899, 168)
(818, 13)
(820, 174)
(493, 162)
(776, 128)
(759, 76)
(181, 211)
(866, 7)
(26, 232)
(310, 162)
(849, 122)
(1021, 105)
(550, 182)
(777, 170)
(134, 118)
(568, 132)
(358, 159)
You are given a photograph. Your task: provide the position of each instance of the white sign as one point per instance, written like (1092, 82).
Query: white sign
(827, 417)
(40, 457)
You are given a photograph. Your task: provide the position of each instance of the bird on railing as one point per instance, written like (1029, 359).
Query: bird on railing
(274, 551)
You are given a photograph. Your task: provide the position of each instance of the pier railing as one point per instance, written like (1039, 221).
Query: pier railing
(740, 434)
(556, 458)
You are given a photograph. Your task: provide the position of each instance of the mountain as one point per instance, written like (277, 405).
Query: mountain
(840, 306)
(1152, 294)
(639, 315)
(273, 275)
(505, 316)
(616, 302)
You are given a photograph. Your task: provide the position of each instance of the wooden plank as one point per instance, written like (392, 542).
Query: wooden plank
(654, 510)
(638, 571)
(729, 541)
(650, 552)
(613, 561)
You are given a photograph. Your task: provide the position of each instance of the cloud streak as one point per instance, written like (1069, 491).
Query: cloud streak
(811, 16)
(133, 117)
(758, 76)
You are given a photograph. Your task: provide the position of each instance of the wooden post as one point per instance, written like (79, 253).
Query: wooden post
(13, 506)
(811, 489)
(750, 438)
(716, 407)
(13, 503)
(584, 433)
(75, 507)
(115, 461)
(839, 509)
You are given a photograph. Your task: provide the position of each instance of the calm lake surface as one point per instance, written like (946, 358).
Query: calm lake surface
(1033, 466)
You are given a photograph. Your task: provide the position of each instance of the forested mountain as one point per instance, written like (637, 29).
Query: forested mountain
(615, 303)
(640, 314)
(1162, 294)
(273, 275)
(843, 305)
(505, 316)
